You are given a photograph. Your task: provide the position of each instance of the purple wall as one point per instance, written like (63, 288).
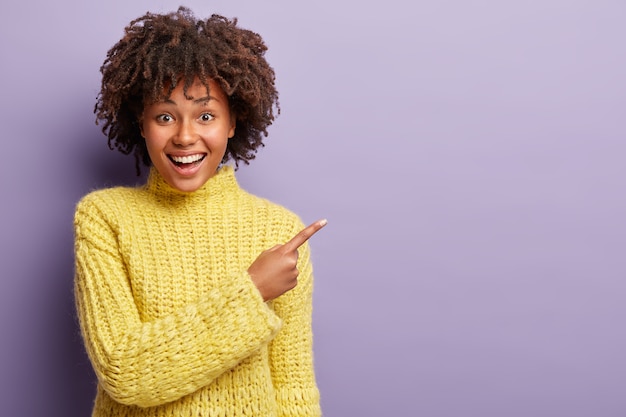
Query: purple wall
(468, 155)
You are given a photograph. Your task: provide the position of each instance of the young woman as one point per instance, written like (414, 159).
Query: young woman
(193, 296)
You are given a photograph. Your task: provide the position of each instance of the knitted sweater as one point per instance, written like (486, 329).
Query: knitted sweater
(172, 323)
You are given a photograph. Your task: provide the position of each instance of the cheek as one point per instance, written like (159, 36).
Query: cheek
(151, 133)
(153, 141)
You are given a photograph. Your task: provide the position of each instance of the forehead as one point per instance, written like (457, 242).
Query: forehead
(194, 90)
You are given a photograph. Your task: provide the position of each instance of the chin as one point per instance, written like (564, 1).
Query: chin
(191, 183)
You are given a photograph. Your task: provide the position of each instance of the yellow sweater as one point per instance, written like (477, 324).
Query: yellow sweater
(172, 323)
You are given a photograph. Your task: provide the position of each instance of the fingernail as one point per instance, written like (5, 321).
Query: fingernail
(323, 222)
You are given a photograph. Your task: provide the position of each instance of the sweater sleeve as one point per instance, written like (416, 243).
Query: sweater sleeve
(291, 351)
(152, 363)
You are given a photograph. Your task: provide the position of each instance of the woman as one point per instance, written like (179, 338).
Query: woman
(193, 296)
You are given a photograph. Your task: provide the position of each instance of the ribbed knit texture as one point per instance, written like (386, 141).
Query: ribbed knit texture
(172, 322)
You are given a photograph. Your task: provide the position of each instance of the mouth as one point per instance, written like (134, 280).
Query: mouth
(187, 161)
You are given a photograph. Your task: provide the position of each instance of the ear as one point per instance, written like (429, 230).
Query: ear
(233, 125)
(140, 124)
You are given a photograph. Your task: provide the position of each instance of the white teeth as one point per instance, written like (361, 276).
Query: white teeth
(187, 159)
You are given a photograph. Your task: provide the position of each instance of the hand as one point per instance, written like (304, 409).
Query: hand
(274, 272)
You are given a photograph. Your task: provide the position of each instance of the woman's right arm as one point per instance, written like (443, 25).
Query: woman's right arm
(152, 363)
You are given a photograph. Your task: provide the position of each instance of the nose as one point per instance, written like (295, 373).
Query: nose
(186, 135)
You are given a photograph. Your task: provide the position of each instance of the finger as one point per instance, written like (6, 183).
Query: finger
(304, 235)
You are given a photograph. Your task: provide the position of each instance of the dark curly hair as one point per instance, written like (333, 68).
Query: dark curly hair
(159, 51)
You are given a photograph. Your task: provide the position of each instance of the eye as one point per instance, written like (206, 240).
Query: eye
(206, 117)
(164, 118)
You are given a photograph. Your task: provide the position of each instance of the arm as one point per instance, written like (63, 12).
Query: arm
(152, 363)
(291, 351)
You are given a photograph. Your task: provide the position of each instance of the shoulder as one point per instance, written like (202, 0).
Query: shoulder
(278, 221)
(106, 202)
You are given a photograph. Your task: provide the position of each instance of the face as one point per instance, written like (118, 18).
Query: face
(187, 138)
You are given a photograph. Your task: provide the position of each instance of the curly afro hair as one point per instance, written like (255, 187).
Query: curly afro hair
(159, 51)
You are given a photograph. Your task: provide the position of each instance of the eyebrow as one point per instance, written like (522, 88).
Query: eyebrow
(204, 99)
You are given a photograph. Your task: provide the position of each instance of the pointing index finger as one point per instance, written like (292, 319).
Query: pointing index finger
(304, 235)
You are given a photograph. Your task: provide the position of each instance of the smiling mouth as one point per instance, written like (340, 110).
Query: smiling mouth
(187, 160)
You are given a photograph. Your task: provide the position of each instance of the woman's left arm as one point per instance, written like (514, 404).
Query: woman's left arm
(291, 351)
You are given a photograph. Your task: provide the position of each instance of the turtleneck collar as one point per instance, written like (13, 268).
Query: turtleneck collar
(223, 181)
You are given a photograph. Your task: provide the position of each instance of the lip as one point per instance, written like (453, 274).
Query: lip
(181, 154)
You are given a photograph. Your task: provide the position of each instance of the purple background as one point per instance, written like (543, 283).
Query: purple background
(469, 156)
